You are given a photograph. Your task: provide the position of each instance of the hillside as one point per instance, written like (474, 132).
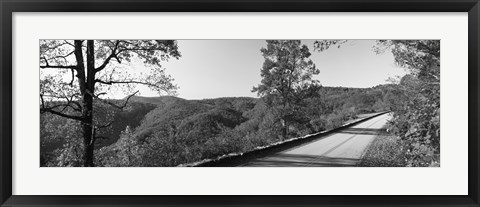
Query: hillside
(159, 101)
(167, 131)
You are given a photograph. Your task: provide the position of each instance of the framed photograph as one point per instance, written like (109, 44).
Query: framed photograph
(239, 103)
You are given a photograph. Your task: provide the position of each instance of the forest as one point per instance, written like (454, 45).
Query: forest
(79, 128)
(168, 131)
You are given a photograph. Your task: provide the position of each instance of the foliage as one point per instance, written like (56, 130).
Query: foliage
(286, 73)
(125, 152)
(72, 85)
(131, 116)
(168, 131)
(60, 144)
(60, 135)
(417, 112)
(181, 131)
(414, 99)
(385, 151)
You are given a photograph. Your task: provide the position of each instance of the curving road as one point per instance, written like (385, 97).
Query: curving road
(342, 149)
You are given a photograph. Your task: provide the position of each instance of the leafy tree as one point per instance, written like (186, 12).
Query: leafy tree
(126, 152)
(285, 73)
(418, 121)
(77, 75)
(415, 100)
(60, 141)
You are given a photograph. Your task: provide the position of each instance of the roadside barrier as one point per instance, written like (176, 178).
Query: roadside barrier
(235, 159)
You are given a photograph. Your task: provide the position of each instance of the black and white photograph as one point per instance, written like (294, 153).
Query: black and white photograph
(239, 103)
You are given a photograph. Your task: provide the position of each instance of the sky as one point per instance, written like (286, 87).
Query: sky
(230, 68)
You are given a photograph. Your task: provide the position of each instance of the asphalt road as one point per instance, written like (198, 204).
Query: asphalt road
(342, 149)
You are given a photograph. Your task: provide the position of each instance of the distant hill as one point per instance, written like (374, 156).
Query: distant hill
(176, 114)
(161, 100)
(176, 125)
(170, 130)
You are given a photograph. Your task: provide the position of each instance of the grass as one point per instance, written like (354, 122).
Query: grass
(384, 151)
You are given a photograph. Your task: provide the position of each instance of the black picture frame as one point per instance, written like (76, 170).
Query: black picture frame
(7, 8)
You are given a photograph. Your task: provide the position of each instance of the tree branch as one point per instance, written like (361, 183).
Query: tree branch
(121, 107)
(73, 77)
(57, 66)
(66, 42)
(56, 46)
(105, 125)
(101, 137)
(70, 103)
(49, 110)
(125, 82)
(61, 56)
(112, 55)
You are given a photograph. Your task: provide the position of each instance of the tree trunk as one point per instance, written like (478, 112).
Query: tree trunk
(285, 129)
(285, 117)
(88, 127)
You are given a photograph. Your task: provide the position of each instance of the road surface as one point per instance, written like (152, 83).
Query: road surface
(341, 149)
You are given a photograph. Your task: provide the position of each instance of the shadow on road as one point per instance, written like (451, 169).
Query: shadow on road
(364, 131)
(301, 160)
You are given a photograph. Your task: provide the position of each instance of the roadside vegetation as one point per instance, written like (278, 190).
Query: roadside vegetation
(414, 98)
(386, 150)
(173, 131)
(168, 131)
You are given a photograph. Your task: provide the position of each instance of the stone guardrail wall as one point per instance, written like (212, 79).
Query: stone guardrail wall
(234, 159)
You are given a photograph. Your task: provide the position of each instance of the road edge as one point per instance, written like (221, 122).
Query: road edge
(235, 159)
